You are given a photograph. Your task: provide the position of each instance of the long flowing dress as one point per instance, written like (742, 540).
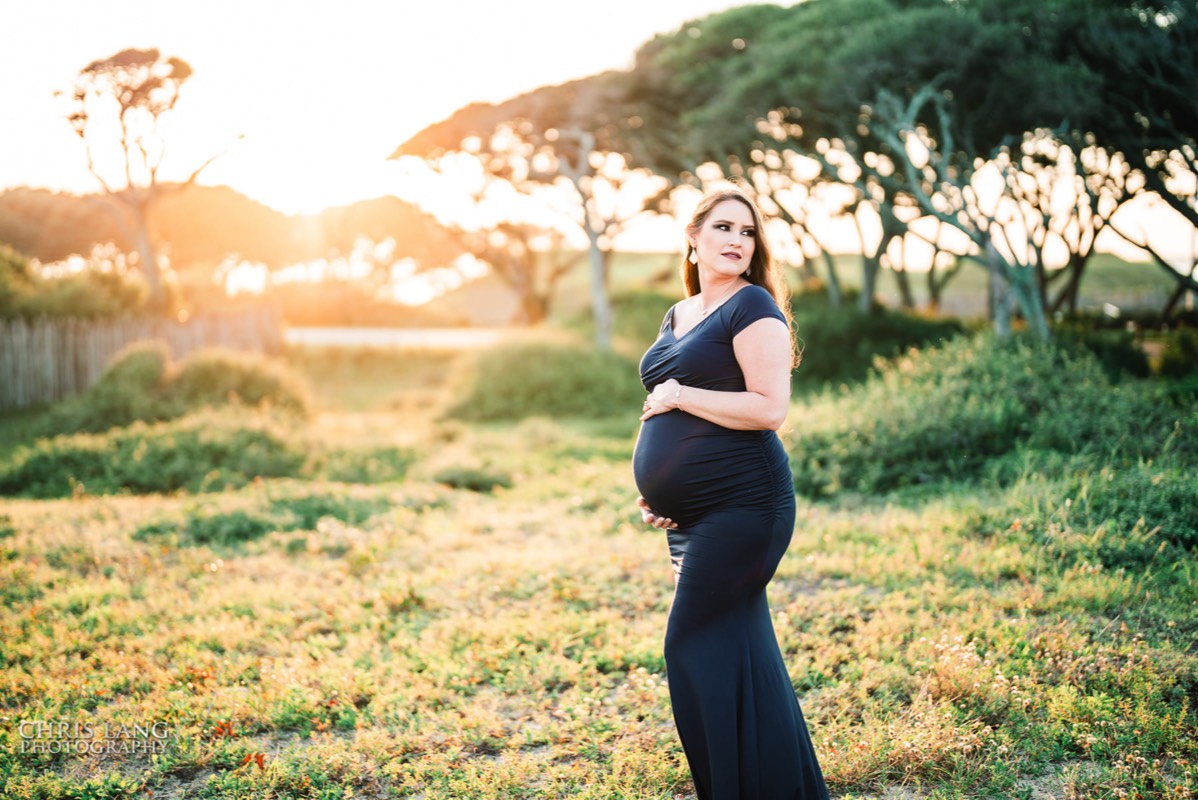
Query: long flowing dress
(731, 493)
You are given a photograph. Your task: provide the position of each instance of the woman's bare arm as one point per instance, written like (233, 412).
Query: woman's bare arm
(764, 355)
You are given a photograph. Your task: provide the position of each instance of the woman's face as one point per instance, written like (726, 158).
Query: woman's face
(726, 239)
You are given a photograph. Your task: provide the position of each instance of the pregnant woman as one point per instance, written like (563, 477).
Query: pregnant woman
(713, 473)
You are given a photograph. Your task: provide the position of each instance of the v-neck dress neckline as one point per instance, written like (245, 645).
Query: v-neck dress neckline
(694, 327)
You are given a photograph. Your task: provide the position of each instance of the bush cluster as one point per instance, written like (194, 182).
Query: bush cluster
(1180, 357)
(517, 381)
(841, 344)
(97, 292)
(637, 315)
(142, 384)
(954, 411)
(201, 452)
(209, 524)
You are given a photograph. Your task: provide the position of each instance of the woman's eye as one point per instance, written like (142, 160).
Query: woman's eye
(719, 226)
(748, 233)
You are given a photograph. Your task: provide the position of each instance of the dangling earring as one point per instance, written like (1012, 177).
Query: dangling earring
(693, 257)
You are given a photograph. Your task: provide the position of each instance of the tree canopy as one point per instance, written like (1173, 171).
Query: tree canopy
(907, 102)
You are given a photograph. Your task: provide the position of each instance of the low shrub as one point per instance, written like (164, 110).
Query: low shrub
(636, 317)
(141, 383)
(639, 314)
(1081, 511)
(205, 451)
(474, 479)
(841, 344)
(366, 465)
(1116, 350)
(130, 389)
(1161, 500)
(947, 412)
(517, 381)
(105, 288)
(226, 528)
(208, 524)
(303, 511)
(1179, 359)
(215, 376)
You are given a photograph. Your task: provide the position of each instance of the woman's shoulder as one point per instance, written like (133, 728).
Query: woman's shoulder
(756, 290)
(755, 296)
(750, 304)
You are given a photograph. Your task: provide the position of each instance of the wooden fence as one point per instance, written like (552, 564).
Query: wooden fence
(45, 360)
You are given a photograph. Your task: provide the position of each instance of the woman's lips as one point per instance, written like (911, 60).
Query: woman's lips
(735, 256)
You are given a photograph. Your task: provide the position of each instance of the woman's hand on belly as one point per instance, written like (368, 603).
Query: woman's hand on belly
(653, 519)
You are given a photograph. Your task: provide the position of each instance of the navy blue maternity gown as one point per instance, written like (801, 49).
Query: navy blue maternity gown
(731, 494)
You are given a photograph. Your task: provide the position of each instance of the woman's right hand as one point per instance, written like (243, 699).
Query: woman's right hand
(650, 518)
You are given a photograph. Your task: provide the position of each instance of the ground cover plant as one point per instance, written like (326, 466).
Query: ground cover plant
(485, 619)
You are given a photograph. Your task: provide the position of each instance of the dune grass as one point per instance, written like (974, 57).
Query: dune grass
(433, 638)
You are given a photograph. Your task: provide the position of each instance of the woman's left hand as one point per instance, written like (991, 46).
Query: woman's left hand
(663, 398)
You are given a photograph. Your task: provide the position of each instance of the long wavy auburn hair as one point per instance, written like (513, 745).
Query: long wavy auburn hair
(762, 269)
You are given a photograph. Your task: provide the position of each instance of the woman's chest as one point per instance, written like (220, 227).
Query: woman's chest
(702, 358)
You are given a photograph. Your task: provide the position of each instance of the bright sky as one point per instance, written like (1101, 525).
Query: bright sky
(323, 92)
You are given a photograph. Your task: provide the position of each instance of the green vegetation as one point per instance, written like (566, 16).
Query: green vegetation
(101, 290)
(954, 412)
(141, 384)
(841, 345)
(515, 381)
(993, 594)
(202, 452)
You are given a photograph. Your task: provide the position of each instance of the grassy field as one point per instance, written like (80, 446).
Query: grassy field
(490, 625)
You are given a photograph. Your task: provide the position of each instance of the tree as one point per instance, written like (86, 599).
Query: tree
(921, 95)
(529, 257)
(127, 95)
(567, 138)
(1148, 54)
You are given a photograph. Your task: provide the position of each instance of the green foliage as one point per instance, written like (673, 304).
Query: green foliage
(1163, 501)
(228, 527)
(1081, 514)
(130, 389)
(304, 509)
(476, 479)
(205, 451)
(215, 376)
(140, 383)
(638, 316)
(367, 464)
(945, 413)
(840, 345)
(1118, 351)
(210, 523)
(1179, 359)
(516, 381)
(98, 291)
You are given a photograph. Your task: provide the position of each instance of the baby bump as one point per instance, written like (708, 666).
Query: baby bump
(685, 466)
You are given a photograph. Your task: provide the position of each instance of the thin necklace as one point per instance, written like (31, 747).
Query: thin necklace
(713, 306)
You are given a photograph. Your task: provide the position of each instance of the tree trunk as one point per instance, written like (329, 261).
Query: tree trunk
(147, 260)
(600, 303)
(870, 264)
(902, 279)
(835, 296)
(933, 289)
(1000, 302)
(1026, 289)
(906, 298)
(1069, 295)
(534, 308)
